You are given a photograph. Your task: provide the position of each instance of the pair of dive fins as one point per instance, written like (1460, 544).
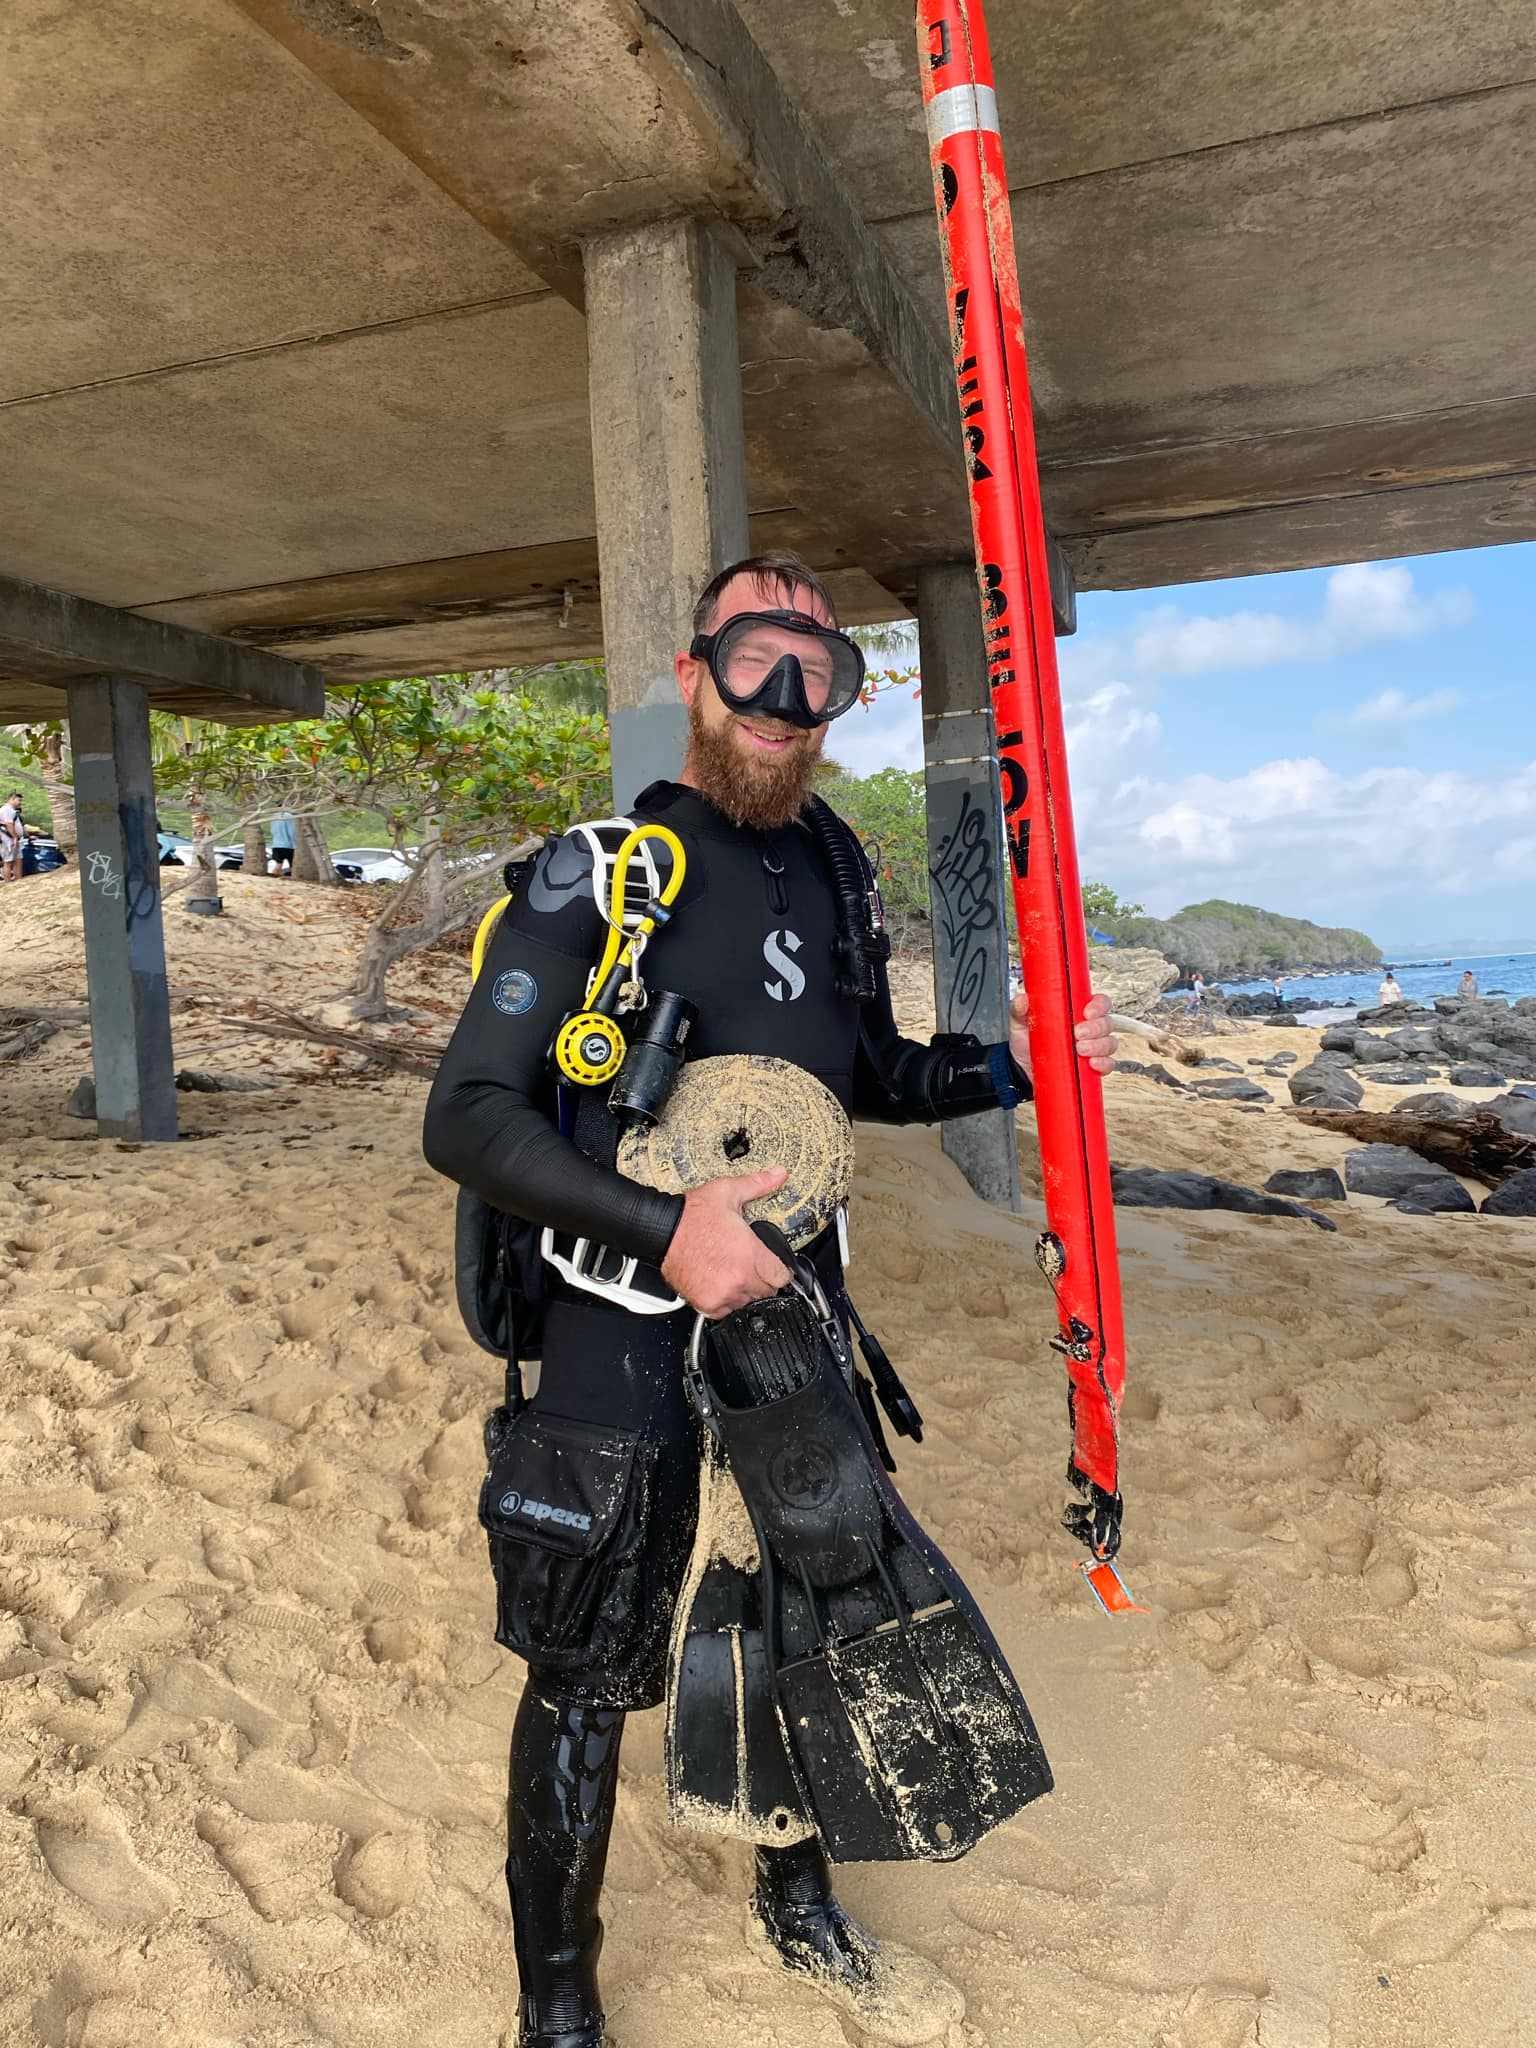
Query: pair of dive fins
(848, 1681)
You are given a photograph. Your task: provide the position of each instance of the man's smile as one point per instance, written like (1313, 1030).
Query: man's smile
(769, 737)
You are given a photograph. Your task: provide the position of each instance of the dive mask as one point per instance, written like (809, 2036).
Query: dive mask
(784, 665)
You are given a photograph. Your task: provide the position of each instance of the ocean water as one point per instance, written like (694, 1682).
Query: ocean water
(1513, 973)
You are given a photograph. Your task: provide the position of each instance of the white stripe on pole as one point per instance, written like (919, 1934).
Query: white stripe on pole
(960, 110)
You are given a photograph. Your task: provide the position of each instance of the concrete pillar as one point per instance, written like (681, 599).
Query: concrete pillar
(967, 879)
(668, 465)
(119, 858)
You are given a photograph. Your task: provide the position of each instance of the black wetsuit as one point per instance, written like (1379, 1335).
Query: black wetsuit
(752, 943)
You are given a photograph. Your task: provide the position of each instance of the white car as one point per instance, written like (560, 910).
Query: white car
(175, 851)
(371, 863)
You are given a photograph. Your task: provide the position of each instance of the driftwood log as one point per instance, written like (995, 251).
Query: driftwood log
(1476, 1146)
(33, 1013)
(15, 1045)
(421, 1058)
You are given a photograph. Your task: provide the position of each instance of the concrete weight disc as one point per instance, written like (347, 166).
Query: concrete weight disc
(741, 1113)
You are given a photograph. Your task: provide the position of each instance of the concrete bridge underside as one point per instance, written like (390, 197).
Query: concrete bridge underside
(296, 350)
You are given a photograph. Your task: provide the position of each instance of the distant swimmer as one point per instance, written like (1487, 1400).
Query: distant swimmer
(1468, 983)
(1389, 992)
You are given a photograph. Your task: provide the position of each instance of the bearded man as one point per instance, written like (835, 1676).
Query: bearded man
(757, 942)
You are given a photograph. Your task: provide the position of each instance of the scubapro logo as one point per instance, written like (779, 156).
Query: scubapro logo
(541, 1511)
(777, 948)
(803, 1474)
(515, 992)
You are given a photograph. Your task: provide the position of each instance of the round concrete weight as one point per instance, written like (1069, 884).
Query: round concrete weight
(742, 1113)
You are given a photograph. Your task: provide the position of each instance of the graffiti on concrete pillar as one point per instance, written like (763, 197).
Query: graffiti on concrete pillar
(103, 873)
(968, 924)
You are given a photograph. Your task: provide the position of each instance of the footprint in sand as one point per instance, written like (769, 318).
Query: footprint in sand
(96, 1865)
(285, 1868)
(1217, 2015)
(1371, 1811)
(1429, 1933)
(379, 1876)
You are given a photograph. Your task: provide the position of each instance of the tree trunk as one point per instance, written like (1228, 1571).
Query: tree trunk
(311, 856)
(56, 777)
(426, 906)
(205, 874)
(253, 840)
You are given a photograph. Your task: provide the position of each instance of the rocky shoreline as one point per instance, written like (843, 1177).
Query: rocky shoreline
(1417, 1153)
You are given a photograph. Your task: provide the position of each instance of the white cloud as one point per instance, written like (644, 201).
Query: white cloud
(1394, 708)
(1363, 605)
(1296, 836)
(885, 734)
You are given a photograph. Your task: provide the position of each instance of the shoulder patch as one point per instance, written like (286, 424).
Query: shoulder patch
(514, 992)
(564, 866)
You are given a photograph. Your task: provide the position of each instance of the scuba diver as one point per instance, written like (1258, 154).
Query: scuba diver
(772, 947)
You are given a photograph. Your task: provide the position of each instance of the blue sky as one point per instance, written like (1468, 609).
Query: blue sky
(1353, 745)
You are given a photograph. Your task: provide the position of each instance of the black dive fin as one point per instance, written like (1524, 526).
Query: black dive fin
(905, 1729)
(727, 1768)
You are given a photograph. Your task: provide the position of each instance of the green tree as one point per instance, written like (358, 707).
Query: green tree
(464, 773)
(889, 812)
(1100, 903)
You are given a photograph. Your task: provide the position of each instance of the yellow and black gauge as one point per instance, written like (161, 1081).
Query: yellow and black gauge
(589, 1048)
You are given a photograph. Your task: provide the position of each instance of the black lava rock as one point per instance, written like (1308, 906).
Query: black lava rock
(1516, 1112)
(1147, 1187)
(1436, 1103)
(1514, 1197)
(1307, 1183)
(1436, 1199)
(1319, 1087)
(1236, 1088)
(1390, 1170)
(1375, 1051)
(1151, 1073)
(1469, 1076)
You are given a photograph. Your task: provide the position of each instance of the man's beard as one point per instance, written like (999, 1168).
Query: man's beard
(766, 791)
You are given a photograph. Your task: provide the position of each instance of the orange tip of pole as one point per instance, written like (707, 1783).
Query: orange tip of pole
(1109, 1589)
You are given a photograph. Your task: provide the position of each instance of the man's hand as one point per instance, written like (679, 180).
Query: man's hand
(1096, 1043)
(715, 1261)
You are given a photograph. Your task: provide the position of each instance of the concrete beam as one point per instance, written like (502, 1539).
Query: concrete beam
(967, 881)
(633, 113)
(119, 856)
(47, 636)
(668, 468)
(1360, 528)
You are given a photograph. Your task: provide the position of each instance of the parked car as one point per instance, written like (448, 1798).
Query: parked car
(175, 851)
(41, 857)
(370, 864)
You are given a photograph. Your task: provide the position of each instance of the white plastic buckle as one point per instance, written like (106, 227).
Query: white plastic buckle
(842, 1236)
(580, 1265)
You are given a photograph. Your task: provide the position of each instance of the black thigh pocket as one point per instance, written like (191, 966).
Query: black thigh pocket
(563, 1506)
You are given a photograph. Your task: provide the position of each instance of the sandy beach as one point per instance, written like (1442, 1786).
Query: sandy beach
(253, 1723)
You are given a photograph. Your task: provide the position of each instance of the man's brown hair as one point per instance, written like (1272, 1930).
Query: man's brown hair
(779, 571)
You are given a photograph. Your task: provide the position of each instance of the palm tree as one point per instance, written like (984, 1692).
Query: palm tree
(48, 744)
(565, 685)
(890, 637)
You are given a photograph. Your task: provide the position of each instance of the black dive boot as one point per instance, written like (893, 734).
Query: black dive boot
(562, 1777)
(893, 1994)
